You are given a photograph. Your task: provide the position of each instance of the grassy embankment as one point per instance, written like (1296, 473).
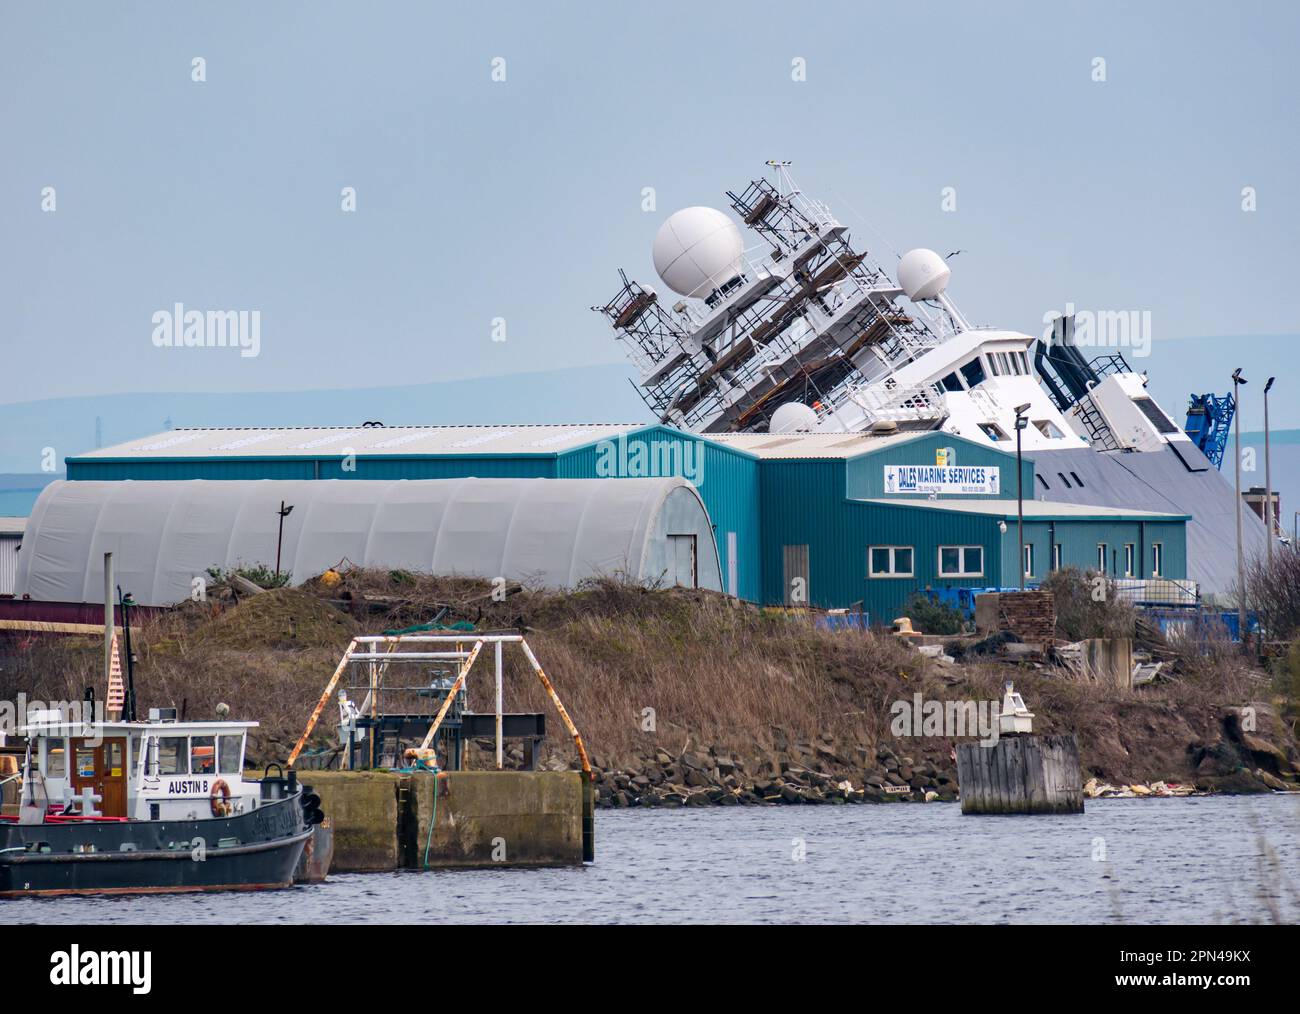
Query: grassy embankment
(735, 693)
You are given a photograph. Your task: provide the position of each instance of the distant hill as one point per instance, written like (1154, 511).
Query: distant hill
(68, 425)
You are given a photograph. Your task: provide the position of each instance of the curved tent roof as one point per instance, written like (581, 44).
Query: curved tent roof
(164, 535)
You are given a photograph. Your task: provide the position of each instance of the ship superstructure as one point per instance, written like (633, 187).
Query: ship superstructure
(805, 332)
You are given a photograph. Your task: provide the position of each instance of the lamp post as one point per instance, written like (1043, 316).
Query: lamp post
(284, 512)
(1268, 479)
(1021, 422)
(1237, 381)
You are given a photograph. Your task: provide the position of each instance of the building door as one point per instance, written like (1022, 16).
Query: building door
(102, 769)
(794, 573)
(682, 548)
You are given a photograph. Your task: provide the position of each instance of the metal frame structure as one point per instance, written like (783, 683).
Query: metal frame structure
(814, 321)
(366, 650)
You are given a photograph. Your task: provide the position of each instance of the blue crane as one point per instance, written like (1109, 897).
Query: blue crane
(1209, 419)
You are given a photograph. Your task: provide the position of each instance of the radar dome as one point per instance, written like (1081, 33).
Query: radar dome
(697, 250)
(923, 274)
(793, 417)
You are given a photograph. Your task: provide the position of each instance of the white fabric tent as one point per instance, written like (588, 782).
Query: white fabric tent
(164, 535)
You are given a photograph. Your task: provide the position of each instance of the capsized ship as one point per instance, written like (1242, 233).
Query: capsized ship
(149, 807)
(805, 333)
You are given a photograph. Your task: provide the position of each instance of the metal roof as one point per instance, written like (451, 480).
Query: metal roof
(1181, 480)
(315, 441)
(813, 445)
(1036, 510)
(12, 526)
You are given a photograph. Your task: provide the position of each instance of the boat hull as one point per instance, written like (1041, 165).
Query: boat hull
(254, 851)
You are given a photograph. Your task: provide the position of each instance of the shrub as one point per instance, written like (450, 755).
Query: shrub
(929, 616)
(1273, 593)
(1086, 606)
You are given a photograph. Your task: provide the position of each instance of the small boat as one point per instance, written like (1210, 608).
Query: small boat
(149, 807)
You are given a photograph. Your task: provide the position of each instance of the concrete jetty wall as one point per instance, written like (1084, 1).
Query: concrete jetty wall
(484, 818)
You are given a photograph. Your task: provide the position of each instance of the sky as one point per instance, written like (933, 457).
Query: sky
(502, 208)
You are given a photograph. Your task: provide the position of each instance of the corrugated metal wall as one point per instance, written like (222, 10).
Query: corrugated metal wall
(803, 503)
(866, 473)
(8, 564)
(1079, 541)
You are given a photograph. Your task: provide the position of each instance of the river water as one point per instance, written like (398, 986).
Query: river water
(1193, 860)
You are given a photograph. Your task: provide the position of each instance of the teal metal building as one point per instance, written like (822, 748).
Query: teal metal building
(830, 520)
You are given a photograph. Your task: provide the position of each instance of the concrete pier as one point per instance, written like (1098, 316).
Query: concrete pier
(1020, 774)
(380, 819)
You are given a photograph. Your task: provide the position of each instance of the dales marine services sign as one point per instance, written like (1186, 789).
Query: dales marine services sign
(965, 480)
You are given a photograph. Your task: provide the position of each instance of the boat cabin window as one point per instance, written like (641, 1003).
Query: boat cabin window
(203, 755)
(973, 372)
(951, 383)
(55, 759)
(171, 755)
(993, 431)
(230, 754)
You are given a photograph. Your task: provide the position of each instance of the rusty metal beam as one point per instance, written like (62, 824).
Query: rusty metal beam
(320, 705)
(559, 706)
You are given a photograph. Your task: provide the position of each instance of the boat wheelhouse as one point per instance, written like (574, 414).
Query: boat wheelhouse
(120, 807)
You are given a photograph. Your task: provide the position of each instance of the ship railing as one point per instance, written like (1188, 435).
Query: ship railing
(880, 403)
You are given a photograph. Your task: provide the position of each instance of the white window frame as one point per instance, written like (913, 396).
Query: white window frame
(1056, 556)
(961, 557)
(1130, 558)
(1103, 550)
(1157, 559)
(1028, 560)
(892, 572)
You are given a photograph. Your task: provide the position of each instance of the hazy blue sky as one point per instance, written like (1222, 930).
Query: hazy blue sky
(518, 199)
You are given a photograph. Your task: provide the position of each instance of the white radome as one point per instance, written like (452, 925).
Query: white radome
(793, 417)
(697, 250)
(923, 274)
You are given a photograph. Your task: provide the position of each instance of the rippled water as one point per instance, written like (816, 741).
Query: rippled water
(1166, 861)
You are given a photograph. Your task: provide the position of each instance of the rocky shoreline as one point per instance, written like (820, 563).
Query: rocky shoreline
(824, 772)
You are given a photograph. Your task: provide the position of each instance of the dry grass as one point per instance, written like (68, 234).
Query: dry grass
(714, 672)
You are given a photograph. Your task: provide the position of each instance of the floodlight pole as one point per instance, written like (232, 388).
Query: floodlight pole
(1020, 495)
(1268, 478)
(1237, 381)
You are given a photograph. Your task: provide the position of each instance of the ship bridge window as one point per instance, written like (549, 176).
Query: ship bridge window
(1075, 476)
(993, 431)
(1045, 427)
(1042, 480)
(973, 372)
(1158, 419)
(230, 754)
(951, 383)
(171, 755)
(203, 755)
(1061, 476)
